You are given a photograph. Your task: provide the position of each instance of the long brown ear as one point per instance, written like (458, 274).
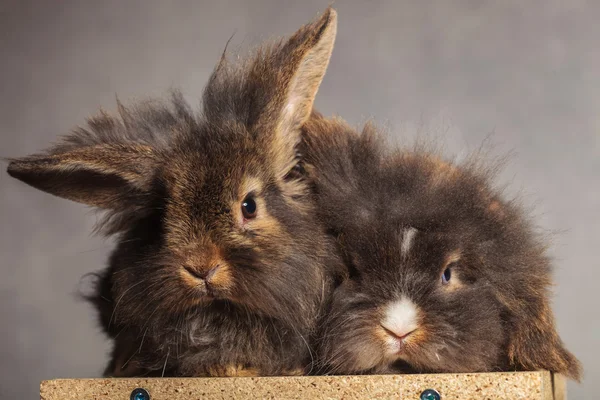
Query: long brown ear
(301, 64)
(272, 92)
(101, 171)
(102, 175)
(306, 56)
(534, 344)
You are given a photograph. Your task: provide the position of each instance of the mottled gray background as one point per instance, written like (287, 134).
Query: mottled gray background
(527, 71)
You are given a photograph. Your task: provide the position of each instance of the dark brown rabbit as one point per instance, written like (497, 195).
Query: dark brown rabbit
(220, 266)
(445, 275)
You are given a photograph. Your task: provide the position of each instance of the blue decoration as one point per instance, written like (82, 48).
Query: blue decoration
(430, 394)
(139, 394)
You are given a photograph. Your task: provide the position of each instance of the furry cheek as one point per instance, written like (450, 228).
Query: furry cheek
(357, 350)
(264, 225)
(415, 341)
(454, 284)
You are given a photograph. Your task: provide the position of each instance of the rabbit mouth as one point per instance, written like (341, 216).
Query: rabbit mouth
(396, 341)
(211, 284)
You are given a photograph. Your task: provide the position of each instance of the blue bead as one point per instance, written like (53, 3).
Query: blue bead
(139, 394)
(430, 394)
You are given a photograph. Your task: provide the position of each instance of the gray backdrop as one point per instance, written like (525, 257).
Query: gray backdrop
(527, 72)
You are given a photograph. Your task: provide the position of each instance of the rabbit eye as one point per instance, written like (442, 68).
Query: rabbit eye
(249, 208)
(447, 275)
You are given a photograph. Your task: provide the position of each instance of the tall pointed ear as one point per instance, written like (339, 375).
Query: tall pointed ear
(306, 57)
(301, 64)
(534, 344)
(104, 175)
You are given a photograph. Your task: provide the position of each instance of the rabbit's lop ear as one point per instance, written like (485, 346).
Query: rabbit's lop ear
(534, 343)
(106, 173)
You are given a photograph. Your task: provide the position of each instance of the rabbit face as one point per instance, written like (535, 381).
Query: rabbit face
(444, 275)
(229, 227)
(418, 302)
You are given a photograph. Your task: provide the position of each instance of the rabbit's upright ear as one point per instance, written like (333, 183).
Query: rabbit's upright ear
(272, 93)
(296, 69)
(304, 60)
(534, 343)
(107, 174)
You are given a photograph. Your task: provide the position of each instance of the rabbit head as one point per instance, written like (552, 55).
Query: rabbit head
(217, 236)
(445, 275)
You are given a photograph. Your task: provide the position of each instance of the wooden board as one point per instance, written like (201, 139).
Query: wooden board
(506, 385)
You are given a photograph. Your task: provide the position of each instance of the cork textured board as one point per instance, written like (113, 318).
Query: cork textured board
(507, 385)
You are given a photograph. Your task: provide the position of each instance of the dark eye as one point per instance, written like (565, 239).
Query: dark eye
(249, 208)
(447, 275)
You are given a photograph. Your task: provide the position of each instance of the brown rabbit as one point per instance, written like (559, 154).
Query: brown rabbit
(221, 267)
(445, 275)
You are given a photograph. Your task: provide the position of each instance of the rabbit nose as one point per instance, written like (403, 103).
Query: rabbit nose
(204, 274)
(398, 333)
(211, 272)
(400, 318)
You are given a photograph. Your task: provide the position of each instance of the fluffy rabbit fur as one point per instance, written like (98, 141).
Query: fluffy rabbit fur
(445, 275)
(220, 266)
(224, 264)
